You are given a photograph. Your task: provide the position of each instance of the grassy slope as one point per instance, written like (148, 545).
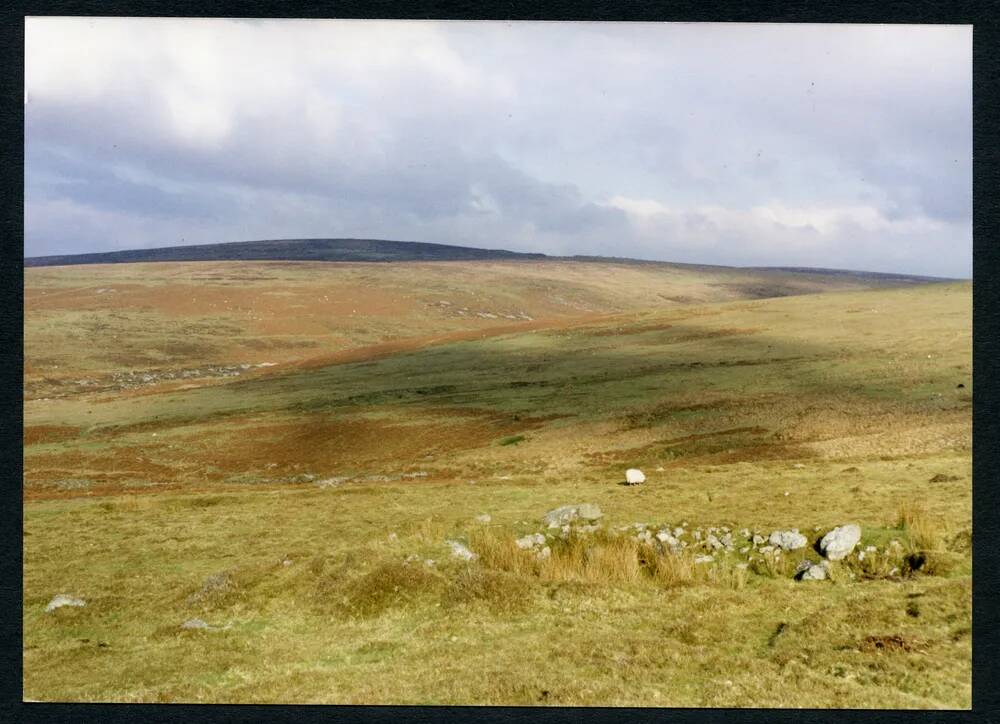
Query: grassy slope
(724, 398)
(89, 322)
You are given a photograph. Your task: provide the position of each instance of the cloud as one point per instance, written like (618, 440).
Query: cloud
(713, 143)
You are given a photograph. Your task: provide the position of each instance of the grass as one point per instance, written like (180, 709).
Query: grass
(207, 503)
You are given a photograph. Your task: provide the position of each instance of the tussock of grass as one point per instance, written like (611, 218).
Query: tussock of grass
(389, 584)
(500, 591)
(924, 532)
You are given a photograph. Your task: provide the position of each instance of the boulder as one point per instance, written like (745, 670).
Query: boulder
(634, 476)
(789, 540)
(61, 600)
(840, 541)
(566, 514)
(812, 572)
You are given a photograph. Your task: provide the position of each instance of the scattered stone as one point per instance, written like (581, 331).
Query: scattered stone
(678, 532)
(568, 513)
(544, 553)
(530, 541)
(714, 542)
(634, 476)
(664, 537)
(61, 600)
(789, 540)
(840, 542)
(704, 559)
(758, 540)
(484, 518)
(459, 550)
(767, 549)
(332, 482)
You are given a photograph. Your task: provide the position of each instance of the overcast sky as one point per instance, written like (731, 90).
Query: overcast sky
(835, 146)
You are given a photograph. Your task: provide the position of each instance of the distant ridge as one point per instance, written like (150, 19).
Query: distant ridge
(381, 250)
(289, 250)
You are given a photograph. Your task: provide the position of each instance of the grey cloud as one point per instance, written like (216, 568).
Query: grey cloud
(514, 135)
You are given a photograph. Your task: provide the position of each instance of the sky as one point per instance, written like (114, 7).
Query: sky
(840, 146)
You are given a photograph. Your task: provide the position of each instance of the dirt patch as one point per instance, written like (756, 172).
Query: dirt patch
(888, 644)
(41, 434)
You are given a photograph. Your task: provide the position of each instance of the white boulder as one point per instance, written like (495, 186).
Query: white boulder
(840, 542)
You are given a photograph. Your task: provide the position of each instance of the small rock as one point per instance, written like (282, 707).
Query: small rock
(704, 559)
(458, 550)
(195, 623)
(61, 600)
(530, 541)
(714, 542)
(798, 466)
(840, 541)
(544, 553)
(484, 518)
(393, 537)
(678, 532)
(744, 550)
(758, 540)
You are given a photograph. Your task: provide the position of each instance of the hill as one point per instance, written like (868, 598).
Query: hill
(380, 250)
(289, 250)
